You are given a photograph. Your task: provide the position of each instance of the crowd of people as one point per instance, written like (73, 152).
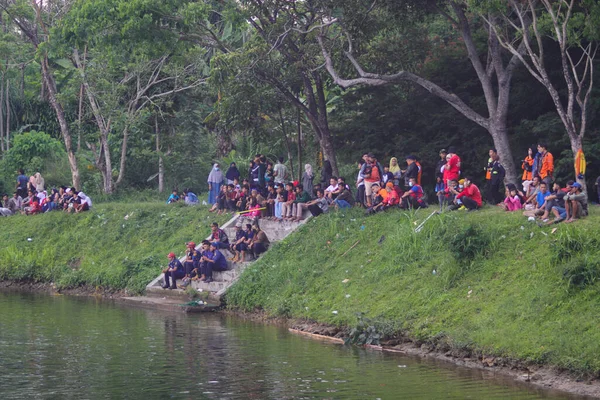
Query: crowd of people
(199, 264)
(267, 192)
(31, 197)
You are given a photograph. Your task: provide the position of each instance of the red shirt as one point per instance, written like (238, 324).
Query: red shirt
(454, 168)
(472, 192)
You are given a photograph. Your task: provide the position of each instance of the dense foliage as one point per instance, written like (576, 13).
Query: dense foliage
(148, 93)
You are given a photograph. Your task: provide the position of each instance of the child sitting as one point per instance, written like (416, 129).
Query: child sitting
(512, 202)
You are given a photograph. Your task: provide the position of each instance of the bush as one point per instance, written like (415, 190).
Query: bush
(465, 245)
(582, 271)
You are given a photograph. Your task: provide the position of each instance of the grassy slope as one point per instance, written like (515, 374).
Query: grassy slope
(99, 248)
(521, 304)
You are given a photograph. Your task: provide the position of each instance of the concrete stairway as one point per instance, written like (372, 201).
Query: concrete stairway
(275, 231)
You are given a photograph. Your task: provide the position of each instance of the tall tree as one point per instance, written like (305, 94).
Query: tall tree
(573, 26)
(343, 22)
(34, 21)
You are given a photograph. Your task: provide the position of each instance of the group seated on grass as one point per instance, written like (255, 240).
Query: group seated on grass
(31, 197)
(199, 264)
(380, 188)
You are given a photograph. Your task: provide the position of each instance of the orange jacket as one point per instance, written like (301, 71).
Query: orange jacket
(547, 168)
(527, 175)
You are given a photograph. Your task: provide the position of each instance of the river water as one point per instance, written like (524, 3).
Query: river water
(57, 347)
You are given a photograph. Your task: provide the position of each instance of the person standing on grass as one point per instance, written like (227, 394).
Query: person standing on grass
(22, 181)
(453, 165)
(280, 171)
(360, 185)
(307, 180)
(371, 172)
(394, 168)
(412, 171)
(215, 180)
(547, 164)
(232, 173)
(527, 166)
(470, 196)
(173, 272)
(439, 167)
(497, 174)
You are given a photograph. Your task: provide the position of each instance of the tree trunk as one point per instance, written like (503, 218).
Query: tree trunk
(123, 156)
(161, 164)
(224, 144)
(7, 131)
(50, 85)
(287, 142)
(108, 181)
(2, 148)
(299, 146)
(499, 135)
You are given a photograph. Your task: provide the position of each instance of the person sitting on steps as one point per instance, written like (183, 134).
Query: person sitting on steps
(260, 242)
(239, 246)
(218, 236)
(215, 261)
(173, 272)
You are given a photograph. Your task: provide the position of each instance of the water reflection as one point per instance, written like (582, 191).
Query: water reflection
(58, 347)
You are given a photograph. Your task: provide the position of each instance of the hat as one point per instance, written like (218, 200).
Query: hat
(452, 149)
(411, 157)
(443, 151)
(576, 185)
(371, 155)
(375, 184)
(390, 185)
(68, 190)
(462, 181)
(171, 254)
(191, 244)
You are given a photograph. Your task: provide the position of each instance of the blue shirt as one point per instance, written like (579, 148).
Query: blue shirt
(219, 259)
(172, 198)
(22, 181)
(541, 198)
(176, 264)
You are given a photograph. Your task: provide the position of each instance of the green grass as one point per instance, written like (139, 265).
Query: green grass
(100, 248)
(502, 285)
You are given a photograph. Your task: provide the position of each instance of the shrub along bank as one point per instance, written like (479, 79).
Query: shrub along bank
(115, 246)
(489, 282)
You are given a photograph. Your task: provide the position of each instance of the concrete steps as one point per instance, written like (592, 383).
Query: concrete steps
(275, 231)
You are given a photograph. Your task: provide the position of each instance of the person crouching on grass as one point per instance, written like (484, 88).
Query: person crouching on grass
(173, 272)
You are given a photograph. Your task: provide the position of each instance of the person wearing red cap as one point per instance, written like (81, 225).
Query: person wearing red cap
(173, 271)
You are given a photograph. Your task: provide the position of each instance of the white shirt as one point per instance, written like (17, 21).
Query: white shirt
(279, 171)
(332, 188)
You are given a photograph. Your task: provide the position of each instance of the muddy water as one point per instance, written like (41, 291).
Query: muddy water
(69, 348)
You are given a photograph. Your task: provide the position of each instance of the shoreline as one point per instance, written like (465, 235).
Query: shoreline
(540, 376)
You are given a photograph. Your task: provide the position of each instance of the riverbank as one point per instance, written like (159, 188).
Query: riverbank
(484, 285)
(115, 247)
(484, 289)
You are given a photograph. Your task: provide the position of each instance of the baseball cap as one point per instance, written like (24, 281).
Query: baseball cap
(191, 244)
(576, 185)
(443, 151)
(171, 254)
